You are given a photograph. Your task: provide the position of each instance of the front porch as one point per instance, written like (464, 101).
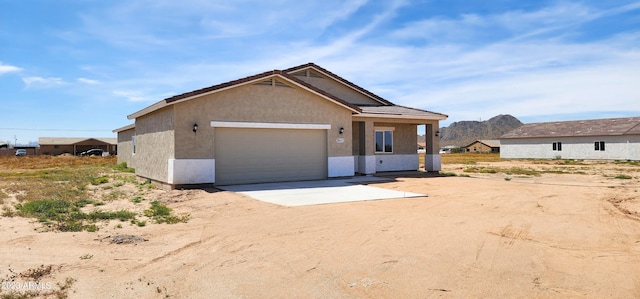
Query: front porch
(384, 144)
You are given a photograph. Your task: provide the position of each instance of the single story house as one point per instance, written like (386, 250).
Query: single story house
(483, 146)
(74, 146)
(421, 147)
(607, 139)
(302, 123)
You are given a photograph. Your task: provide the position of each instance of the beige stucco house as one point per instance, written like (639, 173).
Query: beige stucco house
(483, 146)
(302, 123)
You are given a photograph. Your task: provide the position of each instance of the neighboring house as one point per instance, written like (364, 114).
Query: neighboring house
(483, 146)
(422, 147)
(609, 139)
(64, 145)
(303, 123)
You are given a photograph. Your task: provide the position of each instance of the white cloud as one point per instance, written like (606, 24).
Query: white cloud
(136, 96)
(516, 24)
(470, 66)
(88, 81)
(40, 82)
(5, 68)
(607, 86)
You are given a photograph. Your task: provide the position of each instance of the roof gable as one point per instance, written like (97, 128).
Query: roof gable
(578, 128)
(318, 71)
(488, 143)
(375, 107)
(281, 79)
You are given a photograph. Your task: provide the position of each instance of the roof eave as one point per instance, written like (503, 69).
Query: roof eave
(165, 103)
(402, 116)
(127, 127)
(148, 109)
(345, 82)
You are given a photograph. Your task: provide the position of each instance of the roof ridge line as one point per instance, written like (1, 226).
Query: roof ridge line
(633, 127)
(340, 79)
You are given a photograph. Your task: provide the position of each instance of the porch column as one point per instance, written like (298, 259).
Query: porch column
(366, 156)
(432, 149)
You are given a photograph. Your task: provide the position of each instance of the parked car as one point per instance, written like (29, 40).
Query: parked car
(21, 152)
(92, 152)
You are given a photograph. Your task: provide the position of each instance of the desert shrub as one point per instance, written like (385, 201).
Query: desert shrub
(162, 214)
(122, 167)
(448, 173)
(67, 216)
(157, 209)
(99, 180)
(44, 209)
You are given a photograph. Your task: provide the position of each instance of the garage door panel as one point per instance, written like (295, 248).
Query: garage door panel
(269, 155)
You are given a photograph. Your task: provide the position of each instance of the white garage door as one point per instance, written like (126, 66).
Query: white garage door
(245, 156)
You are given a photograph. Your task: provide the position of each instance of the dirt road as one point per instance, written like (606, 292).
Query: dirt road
(554, 235)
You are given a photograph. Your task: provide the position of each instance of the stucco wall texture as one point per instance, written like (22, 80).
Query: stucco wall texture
(167, 134)
(124, 147)
(154, 144)
(256, 103)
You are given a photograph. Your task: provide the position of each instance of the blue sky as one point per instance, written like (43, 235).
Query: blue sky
(78, 68)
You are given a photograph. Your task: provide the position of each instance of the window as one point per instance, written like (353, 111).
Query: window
(133, 143)
(599, 145)
(384, 141)
(557, 146)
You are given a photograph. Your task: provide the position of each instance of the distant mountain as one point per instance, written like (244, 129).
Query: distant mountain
(463, 133)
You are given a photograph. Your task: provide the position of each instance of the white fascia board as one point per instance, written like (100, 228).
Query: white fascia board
(163, 103)
(224, 88)
(127, 127)
(148, 109)
(255, 125)
(402, 116)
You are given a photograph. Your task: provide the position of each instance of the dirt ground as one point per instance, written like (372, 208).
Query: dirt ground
(571, 232)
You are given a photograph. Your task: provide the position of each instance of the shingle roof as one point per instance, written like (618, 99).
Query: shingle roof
(398, 110)
(489, 143)
(594, 127)
(256, 77)
(72, 140)
(286, 75)
(344, 81)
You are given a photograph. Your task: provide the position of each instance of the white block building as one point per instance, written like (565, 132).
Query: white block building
(605, 139)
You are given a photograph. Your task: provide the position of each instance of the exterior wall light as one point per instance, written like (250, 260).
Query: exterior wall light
(195, 127)
(341, 130)
(437, 133)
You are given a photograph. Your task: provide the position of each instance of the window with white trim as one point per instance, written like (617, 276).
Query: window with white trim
(599, 146)
(384, 141)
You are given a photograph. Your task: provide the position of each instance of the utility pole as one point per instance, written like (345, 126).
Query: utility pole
(15, 142)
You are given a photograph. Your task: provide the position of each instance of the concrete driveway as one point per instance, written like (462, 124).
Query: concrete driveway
(319, 192)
